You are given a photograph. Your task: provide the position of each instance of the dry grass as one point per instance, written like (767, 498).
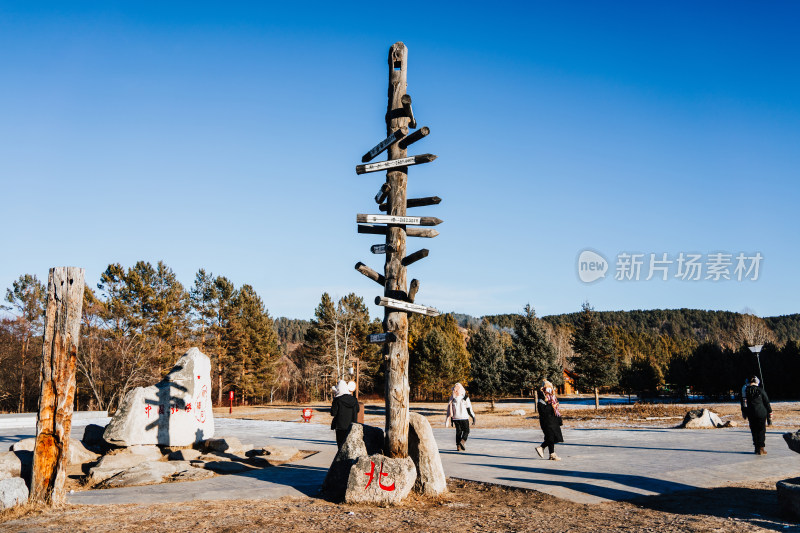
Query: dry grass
(468, 506)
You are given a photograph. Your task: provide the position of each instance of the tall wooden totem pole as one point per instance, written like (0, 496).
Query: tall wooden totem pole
(398, 294)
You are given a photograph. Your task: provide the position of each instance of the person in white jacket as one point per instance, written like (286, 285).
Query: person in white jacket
(459, 411)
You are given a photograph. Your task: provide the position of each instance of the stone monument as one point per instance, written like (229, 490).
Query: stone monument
(174, 412)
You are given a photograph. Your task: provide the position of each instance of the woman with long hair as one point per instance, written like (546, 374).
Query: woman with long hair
(549, 420)
(459, 410)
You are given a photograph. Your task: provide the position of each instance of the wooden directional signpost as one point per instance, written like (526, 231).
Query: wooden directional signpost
(393, 137)
(405, 306)
(398, 296)
(381, 248)
(392, 219)
(415, 202)
(395, 163)
(380, 338)
(410, 232)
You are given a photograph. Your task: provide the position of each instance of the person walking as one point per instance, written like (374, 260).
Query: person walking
(459, 410)
(549, 420)
(757, 411)
(343, 410)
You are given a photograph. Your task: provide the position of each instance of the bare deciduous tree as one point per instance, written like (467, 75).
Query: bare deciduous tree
(752, 330)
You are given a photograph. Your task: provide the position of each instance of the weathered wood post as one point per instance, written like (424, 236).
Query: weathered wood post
(397, 299)
(59, 351)
(396, 352)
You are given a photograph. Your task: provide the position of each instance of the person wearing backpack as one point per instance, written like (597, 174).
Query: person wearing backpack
(757, 411)
(459, 410)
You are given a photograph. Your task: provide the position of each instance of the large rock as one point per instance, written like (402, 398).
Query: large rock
(152, 453)
(230, 445)
(424, 452)
(793, 441)
(188, 454)
(13, 491)
(77, 454)
(24, 445)
(10, 465)
(175, 412)
(701, 419)
(789, 496)
(152, 472)
(378, 479)
(145, 473)
(362, 441)
(93, 439)
(274, 455)
(111, 465)
(26, 460)
(185, 471)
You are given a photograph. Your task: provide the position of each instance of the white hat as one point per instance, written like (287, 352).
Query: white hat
(341, 388)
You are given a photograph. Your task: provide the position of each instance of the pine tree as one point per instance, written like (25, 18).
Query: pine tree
(210, 298)
(224, 292)
(532, 356)
(438, 356)
(149, 303)
(595, 362)
(27, 298)
(252, 344)
(204, 298)
(487, 362)
(639, 375)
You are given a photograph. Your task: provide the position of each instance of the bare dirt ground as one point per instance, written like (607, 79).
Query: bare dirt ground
(467, 507)
(785, 414)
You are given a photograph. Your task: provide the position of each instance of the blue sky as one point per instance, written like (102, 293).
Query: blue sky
(224, 136)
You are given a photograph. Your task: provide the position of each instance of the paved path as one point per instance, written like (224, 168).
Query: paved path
(598, 464)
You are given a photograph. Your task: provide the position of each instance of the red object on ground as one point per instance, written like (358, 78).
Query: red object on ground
(307, 413)
(230, 403)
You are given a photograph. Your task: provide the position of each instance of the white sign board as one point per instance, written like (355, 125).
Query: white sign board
(391, 219)
(406, 306)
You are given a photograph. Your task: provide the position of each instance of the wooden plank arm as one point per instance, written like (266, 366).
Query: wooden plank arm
(371, 274)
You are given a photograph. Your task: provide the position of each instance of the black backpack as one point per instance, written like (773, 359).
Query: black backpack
(752, 392)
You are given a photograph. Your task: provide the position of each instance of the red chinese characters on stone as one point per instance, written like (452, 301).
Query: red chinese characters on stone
(188, 407)
(147, 410)
(200, 401)
(371, 474)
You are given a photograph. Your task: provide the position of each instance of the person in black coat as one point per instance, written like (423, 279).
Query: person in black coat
(756, 410)
(343, 409)
(549, 420)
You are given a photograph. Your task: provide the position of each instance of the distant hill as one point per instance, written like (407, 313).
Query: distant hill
(696, 324)
(291, 330)
(785, 327)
